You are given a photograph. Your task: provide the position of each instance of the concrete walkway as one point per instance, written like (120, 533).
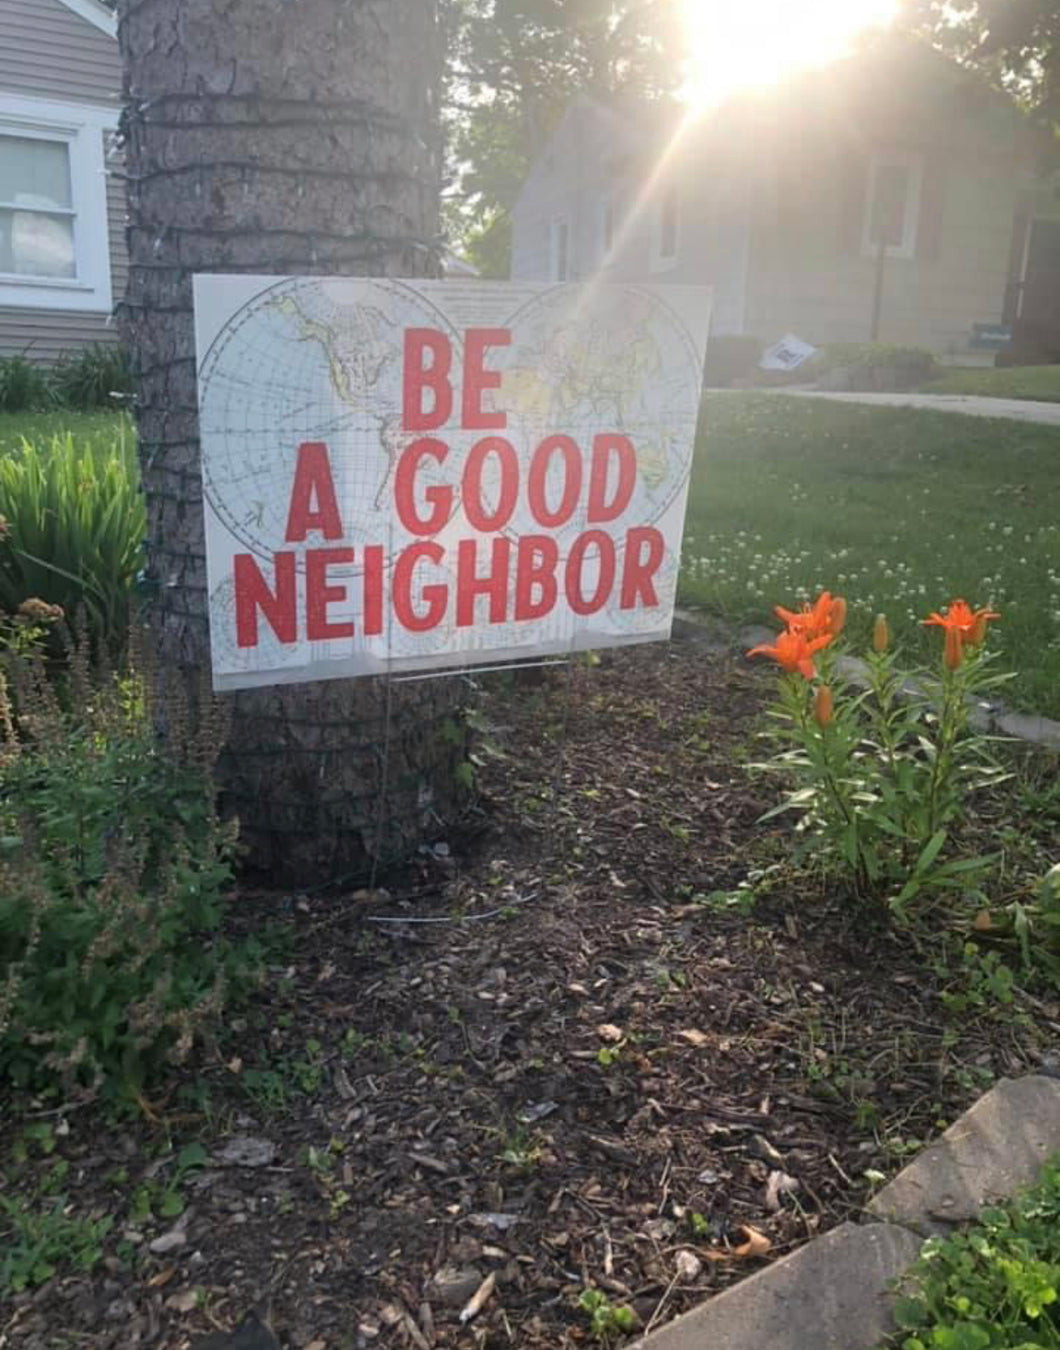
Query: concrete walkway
(1016, 409)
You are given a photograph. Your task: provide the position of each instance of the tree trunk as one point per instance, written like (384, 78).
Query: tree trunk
(288, 137)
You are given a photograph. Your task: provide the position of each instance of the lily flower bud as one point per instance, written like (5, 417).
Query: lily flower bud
(954, 649)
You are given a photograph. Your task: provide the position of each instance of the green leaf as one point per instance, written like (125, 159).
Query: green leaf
(909, 1314)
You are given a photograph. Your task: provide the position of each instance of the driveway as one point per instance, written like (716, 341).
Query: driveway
(1016, 409)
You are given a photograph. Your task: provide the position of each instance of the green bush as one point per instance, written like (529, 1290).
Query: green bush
(75, 523)
(994, 1287)
(731, 358)
(24, 387)
(96, 377)
(114, 870)
(868, 366)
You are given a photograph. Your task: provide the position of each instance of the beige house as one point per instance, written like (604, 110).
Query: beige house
(882, 196)
(62, 230)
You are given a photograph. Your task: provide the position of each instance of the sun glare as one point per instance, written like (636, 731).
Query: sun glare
(739, 44)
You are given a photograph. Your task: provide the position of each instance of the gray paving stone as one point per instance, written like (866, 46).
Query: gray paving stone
(1040, 730)
(995, 1148)
(829, 1295)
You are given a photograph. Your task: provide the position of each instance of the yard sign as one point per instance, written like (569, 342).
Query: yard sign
(412, 476)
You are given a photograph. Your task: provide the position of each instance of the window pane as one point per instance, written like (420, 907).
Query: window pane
(33, 245)
(34, 173)
(889, 203)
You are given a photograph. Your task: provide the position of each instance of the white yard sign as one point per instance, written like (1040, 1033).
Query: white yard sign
(408, 476)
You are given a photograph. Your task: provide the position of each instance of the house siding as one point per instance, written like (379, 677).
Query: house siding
(774, 197)
(48, 51)
(823, 294)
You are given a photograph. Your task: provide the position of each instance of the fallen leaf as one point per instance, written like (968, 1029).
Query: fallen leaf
(983, 922)
(184, 1302)
(779, 1184)
(247, 1151)
(609, 1033)
(689, 1266)
(502, 1222)
(478, 1299)
(161, 1277)
(765, 1150)
(755, 1245)
(694, 1037)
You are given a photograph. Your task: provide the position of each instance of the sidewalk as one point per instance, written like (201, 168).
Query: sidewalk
(1015, 409)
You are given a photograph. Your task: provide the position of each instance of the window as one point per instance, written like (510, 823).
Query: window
(893, 205)
(560, 250)
(54, 241)
(666, 234)
(36, 208)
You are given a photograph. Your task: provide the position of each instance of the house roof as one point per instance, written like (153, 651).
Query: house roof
(101, 16)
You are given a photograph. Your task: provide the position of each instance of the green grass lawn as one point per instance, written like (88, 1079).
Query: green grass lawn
(897, 509)
(1035, 382)
(100, 428)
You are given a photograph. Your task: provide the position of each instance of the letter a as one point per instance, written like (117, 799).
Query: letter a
(313, 482)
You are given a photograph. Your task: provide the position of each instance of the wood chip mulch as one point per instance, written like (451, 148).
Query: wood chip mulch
(624, 1080)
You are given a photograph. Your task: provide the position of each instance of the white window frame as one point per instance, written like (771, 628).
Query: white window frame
(911, 224)
(82, 128)
(96, 13)
(559, 223)
(660, 261)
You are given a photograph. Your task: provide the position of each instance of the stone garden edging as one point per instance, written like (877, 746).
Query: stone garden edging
(834, 1293)
(993, 718)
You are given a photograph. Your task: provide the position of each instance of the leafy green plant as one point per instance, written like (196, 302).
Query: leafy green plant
(874, 365)
(75, 522)
(165, 1199)
(606, 1321)
(1028, 929)
(995, 1286)
(24, 387)
(520, 1150)
(880, 776)
(984, 982)
(113, 875)
(36, 1243)
(97, 376)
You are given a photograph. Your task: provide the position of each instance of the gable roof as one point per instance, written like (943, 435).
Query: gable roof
(96, 13)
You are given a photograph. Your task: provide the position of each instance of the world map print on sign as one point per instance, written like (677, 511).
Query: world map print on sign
(406, 476)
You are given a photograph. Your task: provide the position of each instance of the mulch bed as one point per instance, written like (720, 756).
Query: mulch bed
(412, 1107)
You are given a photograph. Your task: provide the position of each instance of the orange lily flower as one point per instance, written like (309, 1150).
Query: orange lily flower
(794, 652)
(969, 623)
(881, 635)
(953, 651)
(826, 615)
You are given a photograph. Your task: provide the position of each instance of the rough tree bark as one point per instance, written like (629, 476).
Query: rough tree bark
(281, 137)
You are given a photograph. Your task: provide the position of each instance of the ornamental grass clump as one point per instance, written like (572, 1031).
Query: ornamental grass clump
(73, 529)
(880, 776)
(114, 877)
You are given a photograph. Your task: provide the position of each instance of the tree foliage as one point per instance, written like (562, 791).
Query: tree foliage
(1014, 43)
(514, 66)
